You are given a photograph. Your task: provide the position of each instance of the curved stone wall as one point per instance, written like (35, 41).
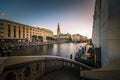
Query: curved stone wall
(34, 67)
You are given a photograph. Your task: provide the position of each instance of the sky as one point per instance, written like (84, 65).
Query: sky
(74, 16)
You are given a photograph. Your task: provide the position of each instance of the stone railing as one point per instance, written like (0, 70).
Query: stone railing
(109, 72)
(34, 67)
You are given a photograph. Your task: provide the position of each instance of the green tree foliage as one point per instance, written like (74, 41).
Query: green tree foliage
(40, 37)
(34, 37)
(49, 38)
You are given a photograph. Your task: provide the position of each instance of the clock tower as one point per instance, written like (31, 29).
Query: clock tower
(58, 31)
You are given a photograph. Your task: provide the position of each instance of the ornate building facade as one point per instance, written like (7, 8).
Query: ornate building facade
(10, 30)
(79, 38)
(58, 31)
(60, 35)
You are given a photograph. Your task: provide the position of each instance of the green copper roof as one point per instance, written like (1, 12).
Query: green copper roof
(63, 34)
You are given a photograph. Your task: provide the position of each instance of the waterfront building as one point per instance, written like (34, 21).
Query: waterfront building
(79, 38)
(76, 37)
(10, 30)
(106, 31)
(46, 33)
(61, 36)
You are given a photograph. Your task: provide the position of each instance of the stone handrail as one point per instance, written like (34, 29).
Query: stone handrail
(109, 72)
(33, 67)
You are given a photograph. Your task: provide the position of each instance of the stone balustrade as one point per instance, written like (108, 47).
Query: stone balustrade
(34, 67)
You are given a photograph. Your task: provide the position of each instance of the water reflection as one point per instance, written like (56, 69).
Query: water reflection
(63, 50)
(59, 48)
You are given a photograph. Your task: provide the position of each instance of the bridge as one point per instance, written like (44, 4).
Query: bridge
(53, 68)
(40, 68)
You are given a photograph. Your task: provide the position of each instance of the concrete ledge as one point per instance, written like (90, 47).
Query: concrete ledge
(10, 61)
(101, 74)
(1, 65)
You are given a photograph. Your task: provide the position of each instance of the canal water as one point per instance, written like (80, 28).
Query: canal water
(62, 50)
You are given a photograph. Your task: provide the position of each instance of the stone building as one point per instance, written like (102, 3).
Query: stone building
(79, 38)
(106, 31)
(62, 36)
(76, 37)
(10, 30)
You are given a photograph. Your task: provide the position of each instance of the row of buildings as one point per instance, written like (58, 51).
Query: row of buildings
(10, 30)
(69, 37)
(79, 38)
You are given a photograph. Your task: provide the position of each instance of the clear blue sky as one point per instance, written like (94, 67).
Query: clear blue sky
(74, 16)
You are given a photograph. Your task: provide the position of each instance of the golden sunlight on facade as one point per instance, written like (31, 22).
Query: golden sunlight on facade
(17, 31)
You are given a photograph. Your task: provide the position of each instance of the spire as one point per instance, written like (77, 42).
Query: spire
(58, 26)
(58, 31)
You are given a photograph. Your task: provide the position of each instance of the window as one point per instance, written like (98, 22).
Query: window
(23, 35)
(26, 30)
(1, 25)
(2, 36)
(1, 28)
(14, 31)
(9, 30)
(23, 32)
(19, 33)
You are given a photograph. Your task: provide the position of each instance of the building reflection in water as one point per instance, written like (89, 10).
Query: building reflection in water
(63, 50)
(59, 48)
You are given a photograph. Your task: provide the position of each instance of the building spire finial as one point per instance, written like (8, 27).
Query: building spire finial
(58, 30)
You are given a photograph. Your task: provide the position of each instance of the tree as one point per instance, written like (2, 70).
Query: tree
(34, 37)
(49, 38)
(40, 38)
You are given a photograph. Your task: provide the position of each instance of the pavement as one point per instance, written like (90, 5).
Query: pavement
(63, 75)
